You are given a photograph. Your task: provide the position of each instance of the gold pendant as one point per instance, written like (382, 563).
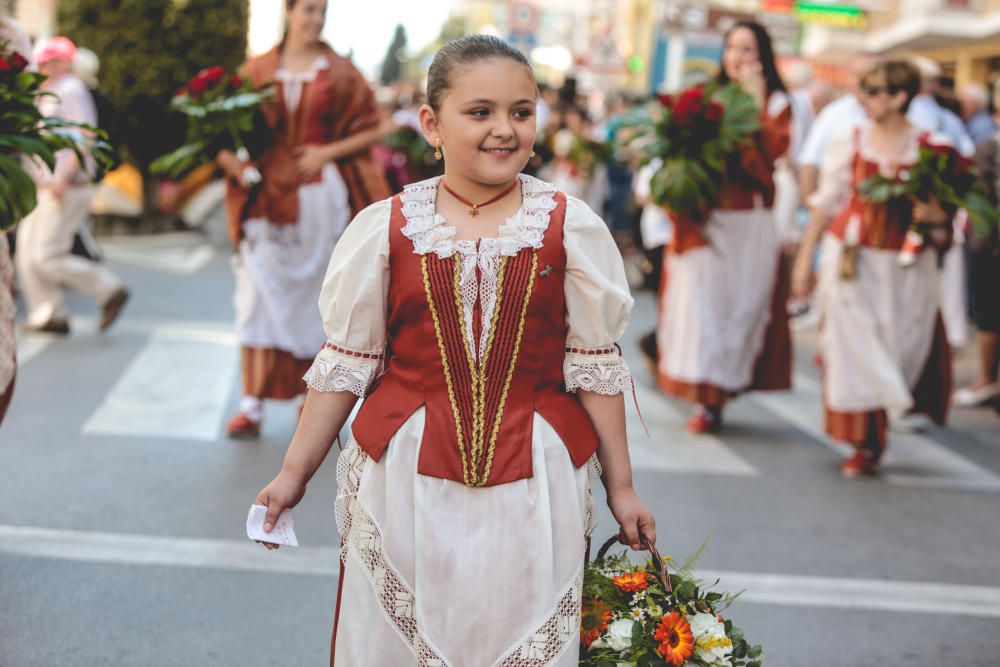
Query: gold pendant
(473, 211)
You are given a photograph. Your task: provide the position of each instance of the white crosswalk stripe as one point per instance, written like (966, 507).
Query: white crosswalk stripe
(775, 589)
(670, 448)
(177, 387)
(911, 460)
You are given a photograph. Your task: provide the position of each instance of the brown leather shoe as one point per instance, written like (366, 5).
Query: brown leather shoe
(241, 427)
(55, 326)
(113, 307)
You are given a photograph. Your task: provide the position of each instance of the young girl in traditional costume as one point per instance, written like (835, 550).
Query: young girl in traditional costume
(882, 341)
(723, 326)
(477, 313)
(317, 172)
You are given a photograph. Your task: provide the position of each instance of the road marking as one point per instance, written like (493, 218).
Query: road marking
(178, 387)
(670, 448)
(97, 547)
(244, 556)
(911, 460)
(30, 345)
(181, 253)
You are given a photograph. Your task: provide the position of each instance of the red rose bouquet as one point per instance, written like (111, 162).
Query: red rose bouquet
(24, 132)
(692, 134)
(643, 615)
(939, 173)
(220, 111)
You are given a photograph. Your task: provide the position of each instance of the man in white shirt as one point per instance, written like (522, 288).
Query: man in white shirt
(45, 264)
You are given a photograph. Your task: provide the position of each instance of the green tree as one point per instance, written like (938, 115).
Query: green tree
(392, 66)
(149, 49)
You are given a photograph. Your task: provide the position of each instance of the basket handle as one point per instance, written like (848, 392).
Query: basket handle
(661, 565)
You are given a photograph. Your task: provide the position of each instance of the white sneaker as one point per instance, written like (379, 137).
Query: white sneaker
(967, 397)
(908, 423)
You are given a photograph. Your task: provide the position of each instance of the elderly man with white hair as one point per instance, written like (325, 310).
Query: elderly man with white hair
(974, 99)
(45, 264)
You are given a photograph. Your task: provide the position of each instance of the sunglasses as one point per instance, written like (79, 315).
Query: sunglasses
(871, 90)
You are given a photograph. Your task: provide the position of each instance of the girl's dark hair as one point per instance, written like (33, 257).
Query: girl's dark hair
(468, 49)
(765, 52)
(899, 76)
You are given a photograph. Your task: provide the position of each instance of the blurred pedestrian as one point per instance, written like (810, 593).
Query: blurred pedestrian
(486, 296)
(44, 261)
(985, 282)
(723, 326)
(882, 342)
(318, 170)
(979, 123)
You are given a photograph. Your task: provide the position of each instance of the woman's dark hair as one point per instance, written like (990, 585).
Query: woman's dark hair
(468, 49)
(764, 51)
(899, 76)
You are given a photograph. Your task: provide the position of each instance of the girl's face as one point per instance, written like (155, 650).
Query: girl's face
(486, 122)
(305, 20)
(740, 50)
(877, 100)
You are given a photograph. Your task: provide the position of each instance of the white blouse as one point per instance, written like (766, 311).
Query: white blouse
(355, 291)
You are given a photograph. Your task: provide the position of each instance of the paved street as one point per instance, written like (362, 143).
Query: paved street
(123, 508)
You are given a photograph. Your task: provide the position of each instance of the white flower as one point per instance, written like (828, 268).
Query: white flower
(904, 175)
(638, 597)
(636, 614)
(618, 637)
(710, 641)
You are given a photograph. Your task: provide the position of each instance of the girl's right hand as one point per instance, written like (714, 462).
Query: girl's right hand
(802, 278)
(284, 492)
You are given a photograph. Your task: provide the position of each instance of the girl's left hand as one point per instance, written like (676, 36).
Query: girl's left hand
(633, 517)
(930, 212)
(311, 160)
(751, 78)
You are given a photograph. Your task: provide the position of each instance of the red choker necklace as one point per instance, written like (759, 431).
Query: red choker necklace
(474, 208)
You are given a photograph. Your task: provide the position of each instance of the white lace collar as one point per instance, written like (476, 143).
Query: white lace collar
(430, 232)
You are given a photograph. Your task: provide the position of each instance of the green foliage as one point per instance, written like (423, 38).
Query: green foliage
(692, 137)
(25, 133)
(689, 596)
(148, 49)
(221, 115)
(392, 65)
(942, 173)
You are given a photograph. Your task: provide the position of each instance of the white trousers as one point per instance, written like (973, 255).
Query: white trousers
(45, 263)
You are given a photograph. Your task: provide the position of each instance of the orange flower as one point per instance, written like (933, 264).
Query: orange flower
(594, 619)
(675, 637)
(632, 582)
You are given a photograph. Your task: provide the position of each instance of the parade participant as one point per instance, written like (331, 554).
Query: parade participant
(723, 326)
(881, 342)
(488, 304)
(44, 259)
(984, 282)
(317, 171)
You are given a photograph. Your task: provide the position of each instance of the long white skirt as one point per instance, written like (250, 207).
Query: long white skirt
(877, 328)
(718, 301)
(437, 573)
(280, 268)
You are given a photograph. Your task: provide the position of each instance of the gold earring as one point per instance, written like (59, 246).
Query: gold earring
(532, 154)
(437, 150)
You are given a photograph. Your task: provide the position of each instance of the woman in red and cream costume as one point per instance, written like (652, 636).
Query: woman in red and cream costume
(881, 342)
(478, 314)
(723, 326)
(317, 172)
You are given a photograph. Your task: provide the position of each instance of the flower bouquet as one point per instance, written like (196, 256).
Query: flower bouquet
(642, 615)
(940, 173)
(220, 110)
(24, 132)
(581, 153)
(413, 149)
(693, 134)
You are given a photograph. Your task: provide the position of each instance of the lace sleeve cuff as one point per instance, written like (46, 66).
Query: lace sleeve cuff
(338, 369)
(600, 370)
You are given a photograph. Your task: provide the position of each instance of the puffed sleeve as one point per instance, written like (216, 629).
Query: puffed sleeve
(598, 304)
(834, 185)
(353, 305)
